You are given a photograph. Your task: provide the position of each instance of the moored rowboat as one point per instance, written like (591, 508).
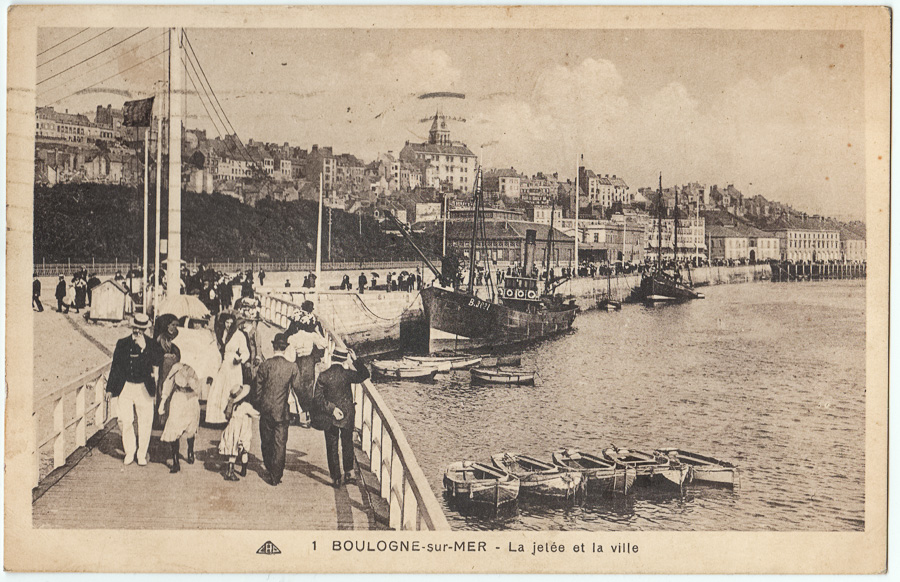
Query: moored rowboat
(451, 362)
(538, 477)
(471, 482)
(703, 468)
(601, 475)
(501, 376)
(651, 469)
(392, 369)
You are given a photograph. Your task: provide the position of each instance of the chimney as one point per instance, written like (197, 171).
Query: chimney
(530, 247)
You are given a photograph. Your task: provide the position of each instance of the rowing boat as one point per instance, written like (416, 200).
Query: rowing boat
(450, 362)
(652, 469)
(404, 370)
(539, 478)
(501, 376)
(601, 475)
(703, 468)
(474, 483)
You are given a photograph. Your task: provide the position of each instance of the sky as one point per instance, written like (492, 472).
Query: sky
(776, 113)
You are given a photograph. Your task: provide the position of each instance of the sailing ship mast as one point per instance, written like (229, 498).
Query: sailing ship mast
(471, 286)
(547, 282)
(659, 207)
(675, 222)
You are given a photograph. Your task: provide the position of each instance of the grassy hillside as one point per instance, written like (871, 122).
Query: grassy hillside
(85, 221)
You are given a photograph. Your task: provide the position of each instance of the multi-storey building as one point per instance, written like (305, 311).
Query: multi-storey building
(603, 191)
(803, 239)
(446, 165)
(691, 237)
(741, 242)
(853, 246)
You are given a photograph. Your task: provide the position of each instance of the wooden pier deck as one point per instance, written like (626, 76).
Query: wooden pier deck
(100, 492)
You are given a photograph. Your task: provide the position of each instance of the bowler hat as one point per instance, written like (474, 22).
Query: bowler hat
(280, 342)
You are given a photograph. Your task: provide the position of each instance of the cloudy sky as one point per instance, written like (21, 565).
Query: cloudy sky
(775, 113)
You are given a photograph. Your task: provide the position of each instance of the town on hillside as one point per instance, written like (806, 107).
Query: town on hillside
(422, 183)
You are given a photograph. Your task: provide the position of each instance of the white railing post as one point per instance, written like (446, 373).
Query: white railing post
(80, 416)
(387, 448)
(410, 506)
(396, 491)
(59, 430)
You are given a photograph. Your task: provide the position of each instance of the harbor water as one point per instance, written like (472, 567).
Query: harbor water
(768, 376)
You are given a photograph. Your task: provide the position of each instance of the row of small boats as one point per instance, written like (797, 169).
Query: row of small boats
(483, 370)
(572, 472)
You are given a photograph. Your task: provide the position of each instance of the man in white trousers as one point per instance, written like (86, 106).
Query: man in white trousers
(132, 382)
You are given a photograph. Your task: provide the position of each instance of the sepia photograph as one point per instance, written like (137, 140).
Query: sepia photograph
(448, 289)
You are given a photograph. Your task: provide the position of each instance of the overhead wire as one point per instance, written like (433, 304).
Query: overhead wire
(51, 59)
(116, 74)
(91, 57)
(197, 91)
(212, 91)
(62, 41)
(101, 65)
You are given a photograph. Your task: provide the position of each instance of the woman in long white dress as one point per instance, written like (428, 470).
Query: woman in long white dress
(230, 374)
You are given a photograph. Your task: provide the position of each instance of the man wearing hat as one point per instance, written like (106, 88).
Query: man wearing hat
(61, 295)
(334, 387)
(132, 382)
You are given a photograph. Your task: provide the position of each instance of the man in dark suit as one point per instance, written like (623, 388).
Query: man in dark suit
(276, 377)
(334, 387)
(36, 293)
(61, 295)
(132, 382)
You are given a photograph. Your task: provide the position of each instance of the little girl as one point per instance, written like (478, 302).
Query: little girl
(238, 434)
(183, 385)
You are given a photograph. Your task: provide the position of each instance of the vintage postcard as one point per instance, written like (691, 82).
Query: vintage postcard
(447, 289)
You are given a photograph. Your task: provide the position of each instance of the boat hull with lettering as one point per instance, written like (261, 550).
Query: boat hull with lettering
(457, 320)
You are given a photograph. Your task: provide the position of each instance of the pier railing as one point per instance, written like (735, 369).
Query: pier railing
(403, 485)
(110, 268)
(66, 418)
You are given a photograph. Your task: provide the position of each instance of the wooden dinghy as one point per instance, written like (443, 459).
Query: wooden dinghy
(601, 475)
(501, 376)
(404, 370)
(474, 483)
(652, 470)
(449, 362)
(705, 469)
(539, 478)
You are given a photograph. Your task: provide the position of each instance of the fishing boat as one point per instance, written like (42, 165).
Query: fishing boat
(601, 475)
(474, 483)
(404, 370)
(523, 310)
(539, 478)
(705, 469)
(652, 469)
(501, 376)
(658, 285)
(607, 303)
(451, 362)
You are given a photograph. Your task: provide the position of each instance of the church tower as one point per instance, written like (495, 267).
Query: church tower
(439, 134)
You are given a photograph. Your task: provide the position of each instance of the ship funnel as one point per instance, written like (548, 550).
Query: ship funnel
(530, 247)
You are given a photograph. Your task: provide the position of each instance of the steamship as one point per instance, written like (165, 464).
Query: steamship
(524, 309)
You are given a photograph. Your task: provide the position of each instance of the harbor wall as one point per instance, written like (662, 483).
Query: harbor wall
(375, 322)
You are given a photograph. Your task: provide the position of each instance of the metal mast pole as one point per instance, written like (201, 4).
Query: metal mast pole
(146, 211)
(176, 109)
(319, 235)
(156, 270)
(675, 222)
(444, 246)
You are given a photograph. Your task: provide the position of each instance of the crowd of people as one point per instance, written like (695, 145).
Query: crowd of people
(404, 281)
(307, 374)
